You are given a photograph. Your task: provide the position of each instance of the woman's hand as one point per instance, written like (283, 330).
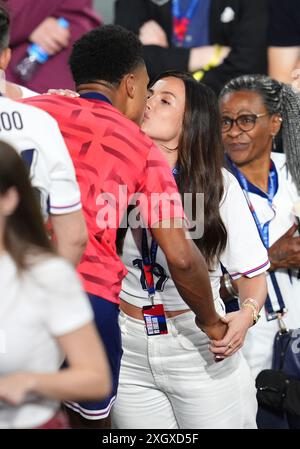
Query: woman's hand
(50, 36)
(238, 325)
(15, 387)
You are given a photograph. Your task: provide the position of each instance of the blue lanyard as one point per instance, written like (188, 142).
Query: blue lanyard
(149, 257)
(95, 96)
(182, 20)
(247, 186)
(189, 12)
(263, 230)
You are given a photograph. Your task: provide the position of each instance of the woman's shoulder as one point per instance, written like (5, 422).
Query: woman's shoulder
(233, 196)
(229, 180)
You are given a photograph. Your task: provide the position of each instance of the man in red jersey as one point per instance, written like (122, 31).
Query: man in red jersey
(110, 155)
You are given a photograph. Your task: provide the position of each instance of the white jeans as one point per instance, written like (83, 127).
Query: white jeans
(172, 381)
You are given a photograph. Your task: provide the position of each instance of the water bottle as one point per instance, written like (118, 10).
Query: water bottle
(35, 56)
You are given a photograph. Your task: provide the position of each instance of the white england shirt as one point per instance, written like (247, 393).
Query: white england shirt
(244, 255)
(258, 347)
(37, 306)
(36, 136)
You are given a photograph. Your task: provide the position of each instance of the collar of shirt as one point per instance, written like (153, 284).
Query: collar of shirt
(95, 96)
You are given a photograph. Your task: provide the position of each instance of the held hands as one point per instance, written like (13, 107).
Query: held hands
(15, 387)
(50, 36)
(151, 33)
(285, 252)
(238, 325)
(215, 331)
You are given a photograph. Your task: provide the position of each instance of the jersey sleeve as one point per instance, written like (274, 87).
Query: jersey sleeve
(64, 190)
(67, 307)
(245, 254)
(159, 199)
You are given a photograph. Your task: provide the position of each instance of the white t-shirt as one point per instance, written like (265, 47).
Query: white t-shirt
(44, 302)
(258, 347)
(36, 136)
(27, 93)
(244, 255)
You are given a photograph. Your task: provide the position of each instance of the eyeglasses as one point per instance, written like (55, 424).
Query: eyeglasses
(245, 122)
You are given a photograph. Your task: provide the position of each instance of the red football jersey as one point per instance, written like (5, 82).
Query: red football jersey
(113, 160)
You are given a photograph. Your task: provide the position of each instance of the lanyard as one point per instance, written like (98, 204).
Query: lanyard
(95, 96)
(149, 257)
(272, 307)
(272, 190)
(181, 20)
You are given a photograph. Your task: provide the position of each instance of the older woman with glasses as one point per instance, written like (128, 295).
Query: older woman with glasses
(254, 108)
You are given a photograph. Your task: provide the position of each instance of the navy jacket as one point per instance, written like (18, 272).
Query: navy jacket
(246, 34)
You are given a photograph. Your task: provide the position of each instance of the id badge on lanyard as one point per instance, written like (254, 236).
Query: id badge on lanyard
(154, 314)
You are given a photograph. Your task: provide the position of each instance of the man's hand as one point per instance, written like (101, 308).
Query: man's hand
(50, 36)
(215, 331)
(285, 252)
(151, 33)
(63, 93)
(201, 56)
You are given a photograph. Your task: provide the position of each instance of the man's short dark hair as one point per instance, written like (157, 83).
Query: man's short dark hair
(107, 53)
(4, 28)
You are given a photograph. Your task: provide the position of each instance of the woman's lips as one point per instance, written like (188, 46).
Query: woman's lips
(237, 146)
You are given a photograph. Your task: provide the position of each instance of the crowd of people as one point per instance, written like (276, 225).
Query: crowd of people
(149, 248)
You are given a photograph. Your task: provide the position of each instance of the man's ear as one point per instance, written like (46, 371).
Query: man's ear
(129, 82)
(5, 58)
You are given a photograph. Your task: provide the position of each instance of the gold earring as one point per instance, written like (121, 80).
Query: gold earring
(274, 147)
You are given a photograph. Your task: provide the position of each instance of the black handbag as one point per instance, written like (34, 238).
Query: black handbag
(279, 388)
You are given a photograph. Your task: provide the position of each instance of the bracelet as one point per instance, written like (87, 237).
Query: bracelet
(255, 314)
(229, 287)
(214, 62)
(252, 301)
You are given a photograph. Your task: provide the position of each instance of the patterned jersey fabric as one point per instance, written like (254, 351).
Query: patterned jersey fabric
(113, 160)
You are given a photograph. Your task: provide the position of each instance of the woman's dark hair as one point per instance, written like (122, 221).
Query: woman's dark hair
(24, 229)
(200, 159)
(278, 98)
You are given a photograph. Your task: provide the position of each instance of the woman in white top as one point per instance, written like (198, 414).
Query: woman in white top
(44, 315)
(172, 380)
(254, 108)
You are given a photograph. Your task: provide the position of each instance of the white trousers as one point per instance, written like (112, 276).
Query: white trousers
(172, 381)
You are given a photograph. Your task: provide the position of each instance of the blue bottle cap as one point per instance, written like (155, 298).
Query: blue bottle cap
(40, 55)
(63, 22)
